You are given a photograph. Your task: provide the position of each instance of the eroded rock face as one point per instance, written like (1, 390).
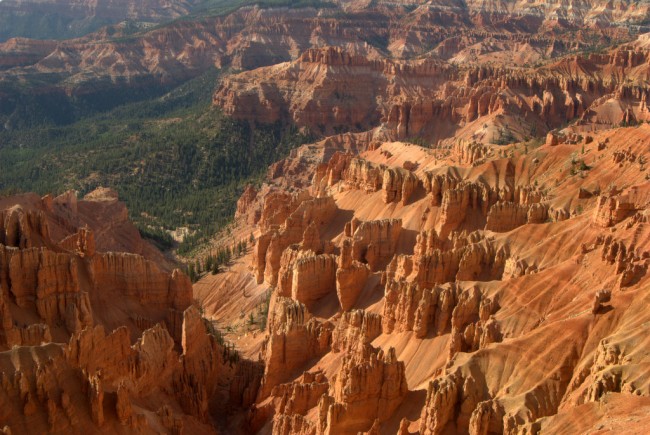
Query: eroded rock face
(293, 400)
(245, 205)
(628, 263)
(546, 97)
(313, 278)
(396, 184)
(94, 362)
(57, 300)
(294, 338)
(611, 210)
(370, 385)
(506, 216)
(491, 213)
(474, 258)
(351, 276)
(355, 329)
(300, 211)
(373, 242)
(23, 229)
(465, 314)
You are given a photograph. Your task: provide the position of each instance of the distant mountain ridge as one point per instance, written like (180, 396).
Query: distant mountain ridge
(63, 19)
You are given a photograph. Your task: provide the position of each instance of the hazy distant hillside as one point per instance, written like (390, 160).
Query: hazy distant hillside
(62, 19)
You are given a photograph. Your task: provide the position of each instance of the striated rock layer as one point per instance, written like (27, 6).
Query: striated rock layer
(100, 342)
(506, 295)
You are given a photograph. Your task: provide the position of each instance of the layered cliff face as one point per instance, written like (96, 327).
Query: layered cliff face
(481, 103)
(147, 57)
(504, 296)
(62, 368)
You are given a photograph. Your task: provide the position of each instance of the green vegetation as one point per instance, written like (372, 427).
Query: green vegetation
(259, 316)
(505, 136)
(418, 140)
(175, 160)
(162, 239)
(224, 7)
(229, 352)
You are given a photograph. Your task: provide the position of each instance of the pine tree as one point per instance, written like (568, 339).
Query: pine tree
(191, 272)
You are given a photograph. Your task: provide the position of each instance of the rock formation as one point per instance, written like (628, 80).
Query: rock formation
(351, 276)
(300, 211)
(60, 368)
(294, 338)
(464, 249)
(370, 385)
(355, 328)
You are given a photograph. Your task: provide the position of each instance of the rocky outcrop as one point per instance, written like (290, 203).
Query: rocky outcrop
(546, 96)
(516, 267)
(396, 184)
(472, 326)
(294, 338)
(474, 258)
(601, 296)
(370, 385)
(81, 243)
(611, 210)
(506, 216)
(306, 277)
(61, 370)
(373, 242)
(456, 401)
(23, 229)
(140, 281)
(313, 278)
(363, 175)
(301, 212)
(94, 366)
(355, 328)
(351, 276)
(48, 283)
(293, 401)
(245, 205)
(471, 153)
(629, 264)
(466, 314)
(440, 407)
(456, 203)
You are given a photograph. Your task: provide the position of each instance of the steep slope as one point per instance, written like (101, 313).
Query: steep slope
(466, 289)
(95, 67)
(331, 90)
(57, 19)
(98, 341)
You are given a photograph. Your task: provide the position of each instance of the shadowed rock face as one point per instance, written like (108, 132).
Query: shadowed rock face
(62, 19)
(60, 296)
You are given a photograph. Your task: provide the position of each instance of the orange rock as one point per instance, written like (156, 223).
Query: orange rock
(294, 338)
(374, 242)
(370, 385)
(272, 243)
(355, 328)
(351, 276)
